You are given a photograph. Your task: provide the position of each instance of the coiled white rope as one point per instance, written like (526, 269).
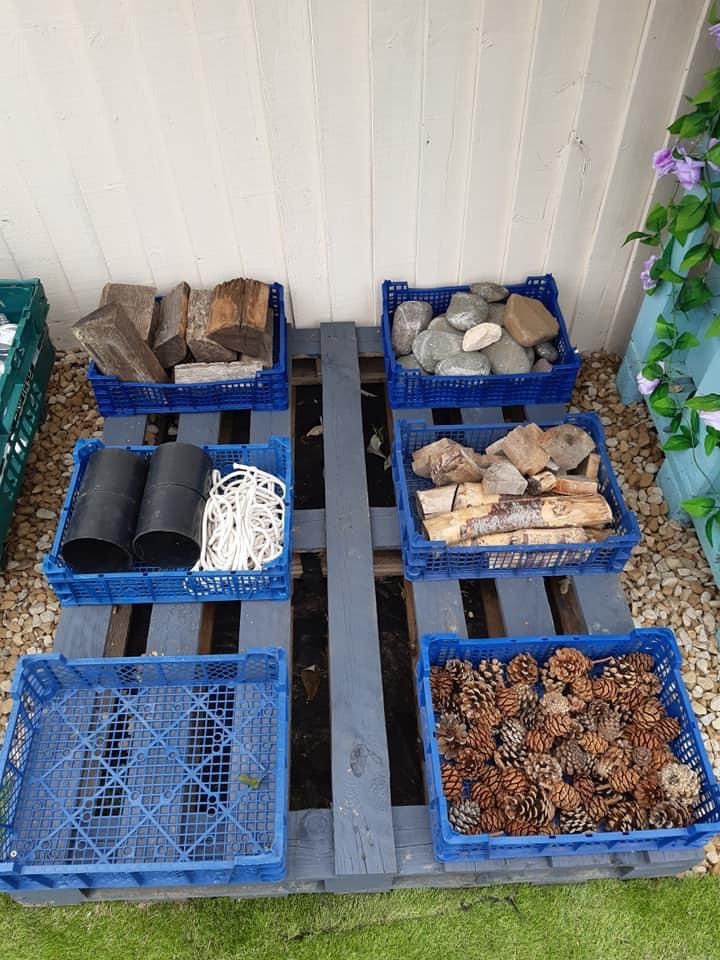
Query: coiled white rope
(243, 521)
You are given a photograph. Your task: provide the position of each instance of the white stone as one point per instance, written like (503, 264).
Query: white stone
(481, 335)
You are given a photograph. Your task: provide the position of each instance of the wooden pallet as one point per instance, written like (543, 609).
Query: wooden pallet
(363, 843)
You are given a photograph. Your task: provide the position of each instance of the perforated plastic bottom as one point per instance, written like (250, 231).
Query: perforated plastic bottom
(143, 764)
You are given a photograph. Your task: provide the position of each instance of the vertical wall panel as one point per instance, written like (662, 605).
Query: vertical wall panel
(332, 145)
(342, 72)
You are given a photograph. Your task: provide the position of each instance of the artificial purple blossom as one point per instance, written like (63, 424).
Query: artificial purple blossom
(663, 161)
(714, 32)
(646, 386)
(711, 418)
(647, 281)
(687, 170)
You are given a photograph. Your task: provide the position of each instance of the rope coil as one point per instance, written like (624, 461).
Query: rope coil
(243, 520)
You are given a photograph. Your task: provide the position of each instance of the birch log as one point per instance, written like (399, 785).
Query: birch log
(526, 537)
(525, 514)
(456, 496)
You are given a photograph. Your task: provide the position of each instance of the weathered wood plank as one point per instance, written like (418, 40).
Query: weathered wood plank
(306, 342)
(199, 344)
(309, 530)
(212, 372)
(113, 341)
(138, 302)
(362, 815)
(175, 627)
(170, 345)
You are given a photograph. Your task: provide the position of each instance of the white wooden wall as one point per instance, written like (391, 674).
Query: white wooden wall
(330, 144)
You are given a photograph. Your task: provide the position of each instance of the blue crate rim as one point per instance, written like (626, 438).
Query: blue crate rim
(53, 566)
(406, 514)
(94, 375)
(272, 858)
(459, 841)
(417, 375)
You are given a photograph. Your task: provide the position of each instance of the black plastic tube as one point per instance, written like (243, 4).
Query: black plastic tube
(169, 527)
(182, 464)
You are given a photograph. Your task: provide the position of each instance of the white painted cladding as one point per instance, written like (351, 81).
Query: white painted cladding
(330, 144)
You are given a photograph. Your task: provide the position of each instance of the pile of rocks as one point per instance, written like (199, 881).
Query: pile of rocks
(488, 330)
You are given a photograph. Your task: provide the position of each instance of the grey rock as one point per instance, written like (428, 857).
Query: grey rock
(408, 361)
(464, 365)
(409, 320)
(507, 356)
(541, 366)
(440, 323)
(492, 292)
(465, 310)
(497, 314)
(546, 351)
(432, 346)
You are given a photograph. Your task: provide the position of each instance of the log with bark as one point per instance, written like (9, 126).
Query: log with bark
(521, 538)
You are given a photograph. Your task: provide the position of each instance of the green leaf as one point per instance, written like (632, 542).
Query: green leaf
(694, 293)
(249, 781)
(659, 352)
(635, 235)
(690, 124)
(675, 423)
(699, 506)
(711, 402)
(713, 17)
(713, 218)
(714, 329)
(657, 218)
(709, 443)
(686, 340)
(709, 524)
(713, 155)
(665, 328)
(694, 423)
(671, 276)
(695, 255)
(661, 403)
(677, 443)
(690, 212)
(652, 371)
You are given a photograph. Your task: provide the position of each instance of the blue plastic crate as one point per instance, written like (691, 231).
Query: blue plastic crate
(144, 771)
(267, 390)
(411, 388)
(146, 584)
(434, 560)
(450, 845)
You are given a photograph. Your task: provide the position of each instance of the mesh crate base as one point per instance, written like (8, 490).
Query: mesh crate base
(688, 747)
(128, 772)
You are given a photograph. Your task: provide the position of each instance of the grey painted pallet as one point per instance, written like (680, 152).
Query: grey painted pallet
(362, 844)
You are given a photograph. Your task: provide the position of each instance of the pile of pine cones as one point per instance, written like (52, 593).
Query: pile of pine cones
(560, 748)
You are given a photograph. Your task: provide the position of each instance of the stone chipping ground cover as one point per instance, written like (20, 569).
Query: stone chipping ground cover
(667, 583)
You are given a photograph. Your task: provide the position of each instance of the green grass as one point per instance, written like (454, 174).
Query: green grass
(639, 920)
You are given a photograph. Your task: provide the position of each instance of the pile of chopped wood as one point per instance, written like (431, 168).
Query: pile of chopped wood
(532, 486)
(190, 336)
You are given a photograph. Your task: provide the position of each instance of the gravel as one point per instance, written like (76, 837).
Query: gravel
(667, 582)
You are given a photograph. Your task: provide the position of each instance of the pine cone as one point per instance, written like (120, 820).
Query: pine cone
(593, 743)
(465, 816)
(459, 670)
(477, 702)
(632, 697)
(512, 732)
(577, 705)
(625, 816)
(492, 820)
(509, 755)
(469, 764)
(648, 714)
(597, 808)
(578, 821)
(568, 663)
(542, 769)
(451, 735)
(623, 779)
(481, 741)
(507, 700)
(624, 674)
(651, 684)
(668, 728)
(647, 792)
(490, 671)
(564, 796)
(615, 756)
(550, 683)
(641, 758)
(483, 796)
(604, 688)
(531, 716)
(523, 669)
(534, 807)
(554, 703)
(513, 781)
(659, 756)
(611, 725)
(527, 695)
(642, 662)
(679, 782)
(452, 781)
(582, 687)
(643, 738)
(572, 758)
(669, 813)
(585, 787)
(442, 688)
(609, 796)
(539, 741)
(519, 828)
(490, 776)
(557, 724)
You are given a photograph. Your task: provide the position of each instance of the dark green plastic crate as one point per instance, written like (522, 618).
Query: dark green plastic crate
(22, 386)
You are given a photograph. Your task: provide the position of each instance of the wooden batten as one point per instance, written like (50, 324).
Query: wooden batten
(169, 345)
(214, 372)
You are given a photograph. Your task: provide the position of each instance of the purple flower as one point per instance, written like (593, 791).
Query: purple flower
(687, 170)
(646, 386)
(714, 32)
(711, 418)
(647, 281)
(663, 161)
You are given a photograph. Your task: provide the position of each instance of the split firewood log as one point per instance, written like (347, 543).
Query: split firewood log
(530, 537)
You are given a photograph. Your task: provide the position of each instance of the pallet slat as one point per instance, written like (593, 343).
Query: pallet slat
(362, 814)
